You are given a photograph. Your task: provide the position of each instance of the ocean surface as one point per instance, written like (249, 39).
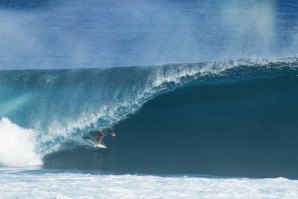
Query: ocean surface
(178, 127)
(202, 95)
(35, 183)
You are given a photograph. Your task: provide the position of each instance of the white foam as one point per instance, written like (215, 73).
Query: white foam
(44, 184)
(178, 73)
(17, 145)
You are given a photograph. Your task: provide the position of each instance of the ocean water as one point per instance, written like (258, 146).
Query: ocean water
(177, 125)
(202, 95)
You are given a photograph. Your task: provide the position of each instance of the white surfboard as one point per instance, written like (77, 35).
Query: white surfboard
(95, 144)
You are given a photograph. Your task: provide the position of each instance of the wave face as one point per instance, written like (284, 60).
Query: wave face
(225, 118)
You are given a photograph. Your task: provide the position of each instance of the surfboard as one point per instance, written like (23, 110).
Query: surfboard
(95, 144)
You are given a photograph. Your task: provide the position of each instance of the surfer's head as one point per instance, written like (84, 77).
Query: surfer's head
(113, 134)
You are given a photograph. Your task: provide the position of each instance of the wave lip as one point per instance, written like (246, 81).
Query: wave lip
(17, 145)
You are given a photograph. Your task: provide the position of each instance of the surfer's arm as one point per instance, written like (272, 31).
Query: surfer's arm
(101, 136)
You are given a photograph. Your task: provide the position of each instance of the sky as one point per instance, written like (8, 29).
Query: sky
(45, 34)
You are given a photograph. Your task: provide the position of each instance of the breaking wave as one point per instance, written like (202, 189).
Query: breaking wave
(59, 106)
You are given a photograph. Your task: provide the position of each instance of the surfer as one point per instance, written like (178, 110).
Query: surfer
(102, 134)
(95, 138)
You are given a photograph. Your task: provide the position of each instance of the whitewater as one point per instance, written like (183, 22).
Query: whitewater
(30, 183)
